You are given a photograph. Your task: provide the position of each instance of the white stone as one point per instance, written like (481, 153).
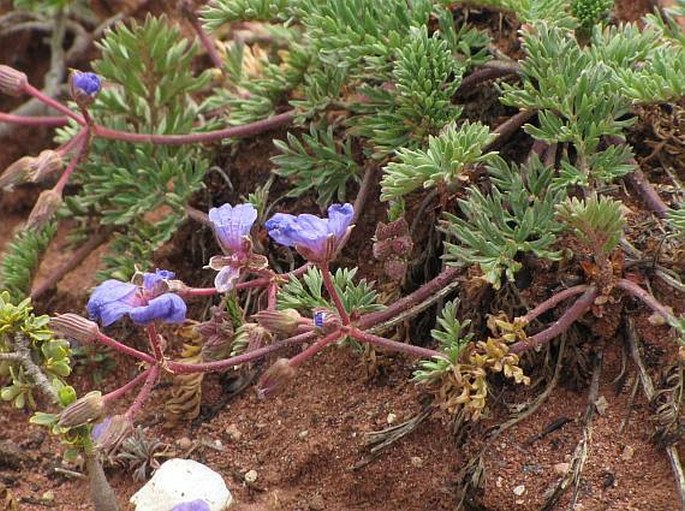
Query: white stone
(179, 480)
(519, 490)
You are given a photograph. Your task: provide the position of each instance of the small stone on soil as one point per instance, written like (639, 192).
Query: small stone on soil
(562, 468)
(233, 433)
(519, 490)
(250, 476)
(628, 453)
(184, 443)
(416, 461)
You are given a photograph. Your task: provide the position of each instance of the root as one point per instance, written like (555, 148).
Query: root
(651, 394)
(580, 455)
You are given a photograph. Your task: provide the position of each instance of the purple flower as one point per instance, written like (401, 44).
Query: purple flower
(87, 84)
(193, 505)
(315, 238)
(145, 303)
(232, 226)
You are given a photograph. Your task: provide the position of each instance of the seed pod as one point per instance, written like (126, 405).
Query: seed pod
(47, 204)
(12, 81)
(75, 327)
(86, 409)
(275, 378)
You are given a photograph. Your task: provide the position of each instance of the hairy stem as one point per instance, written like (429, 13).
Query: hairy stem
(320, 344)
(223, 365)
(246, 130)
(577, 310)
(553, 301)
(118, 393)
(410, 349)
(150, 380)
(48, 121)
(126, 350)
(335, 296)
(444, 278)
(639, 293)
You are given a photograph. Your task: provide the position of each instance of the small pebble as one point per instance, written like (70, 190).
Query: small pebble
(218, 444)
(233, 432)
(316, 503)
(519, 490)
(250, 476)
(391, 418)
(184, 443)
(499, 482)
(562, 468)
(416, 461)
(48, 496)
(628, 453)
(303, 434)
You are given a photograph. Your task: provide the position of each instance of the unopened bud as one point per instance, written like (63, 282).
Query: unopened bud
(46, 163)
(85, 409)
(83, 87)
(18, 172)
(109, 433)
(12, 82)
(286, 321)
(275, 378)
(73, 326)
(46, 206)
(325, 320)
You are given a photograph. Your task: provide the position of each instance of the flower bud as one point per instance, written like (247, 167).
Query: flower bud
(46, 163)
(17, 172)
(109, 433)
(47, 204)
(73, 326)
(86, 409)
(84, 87)
(275, 378)
(12, 82)
(284, 321)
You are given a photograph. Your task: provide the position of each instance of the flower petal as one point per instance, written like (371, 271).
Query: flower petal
(193, 505)
(111, 300)
(340, 217)
(232, 223)
(226, 278)
(152, 279)
(168, 307)
(277, 225)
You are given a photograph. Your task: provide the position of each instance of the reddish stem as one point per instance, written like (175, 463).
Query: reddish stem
(418, 351)
(126, 350)
(573, 313)
(330, 287)
(553, 301)
(222, 365)
(44, 98)
(636, 291)
(49, 121)
(320, 344)
(197, 291)
(246, 130)
(82, 148)
(116, 394)
(155, 342)
(421, 294)
(144, 393)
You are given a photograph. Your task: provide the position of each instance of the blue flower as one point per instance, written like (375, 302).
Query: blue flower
(145, 303)
(232, 225)
(85, 83)
(193, 505)
(315, 238)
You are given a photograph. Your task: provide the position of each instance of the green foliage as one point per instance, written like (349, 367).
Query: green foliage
(452, 337)
(447, 156)
(219, 12)
(142, 190)
(591, 12)
(318, 162)
(596, 221)
(579, 98)
(48, 354)
(306, 294)
(21, 258)
(531, 11)
(41, 5)
(676, 218)
(418, 104)
(517, 217)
